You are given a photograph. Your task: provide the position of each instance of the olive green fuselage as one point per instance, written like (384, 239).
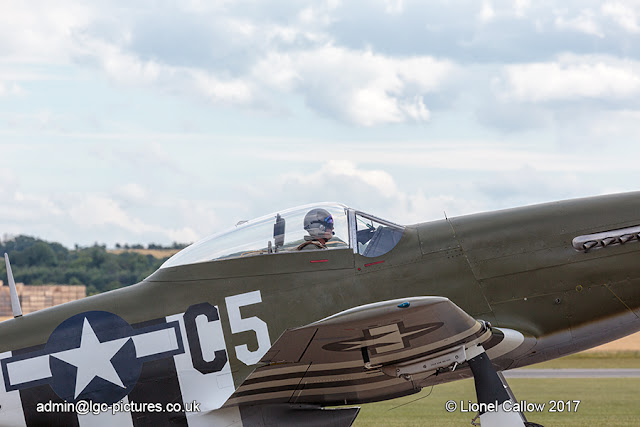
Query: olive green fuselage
(515, 268)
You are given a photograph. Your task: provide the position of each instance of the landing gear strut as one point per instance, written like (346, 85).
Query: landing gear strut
(492, 392)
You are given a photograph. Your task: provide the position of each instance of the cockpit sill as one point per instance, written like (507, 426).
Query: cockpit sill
(287, 231)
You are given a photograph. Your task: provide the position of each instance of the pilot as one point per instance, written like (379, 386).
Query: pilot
(319, 225)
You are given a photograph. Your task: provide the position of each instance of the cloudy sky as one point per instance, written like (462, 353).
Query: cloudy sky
(162, 121)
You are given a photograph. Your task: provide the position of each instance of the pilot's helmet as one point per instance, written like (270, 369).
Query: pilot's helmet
(319, 224)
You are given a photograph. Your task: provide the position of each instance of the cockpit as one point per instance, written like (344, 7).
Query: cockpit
(327, 226)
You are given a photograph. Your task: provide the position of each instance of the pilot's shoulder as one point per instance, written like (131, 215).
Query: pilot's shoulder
(336, 243)
(311, 245)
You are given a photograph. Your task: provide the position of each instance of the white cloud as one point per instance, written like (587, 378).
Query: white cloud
(21, 207)
(100, 210)
(41, 30)
(10, 89)
(571, 77)
(130, 213)
(585, 22)
(418, 207)
(204, 6)
(278, 70)
(486, 13)
(373, 190)
(351, 85)
(520, 7)
(393, 7)
(380, 180)
(623, 14)
(103, 212)
(319, 13)
(361, 87)
(134, 192)
(610, 132)
(369, 106)
(415, 109)
(231, 91)
(128, 69)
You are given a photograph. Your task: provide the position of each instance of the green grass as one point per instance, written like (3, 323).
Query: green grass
(606, 401)
(594, 360)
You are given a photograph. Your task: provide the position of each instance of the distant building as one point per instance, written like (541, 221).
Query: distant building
(36, 297)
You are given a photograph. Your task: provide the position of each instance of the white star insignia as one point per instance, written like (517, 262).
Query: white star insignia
(93, 359)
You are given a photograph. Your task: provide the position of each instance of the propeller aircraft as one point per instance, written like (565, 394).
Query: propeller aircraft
(273, 321)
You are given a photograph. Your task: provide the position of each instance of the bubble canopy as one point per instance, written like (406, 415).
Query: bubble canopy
(283, 231)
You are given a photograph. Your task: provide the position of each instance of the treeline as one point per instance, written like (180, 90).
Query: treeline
(35, 262)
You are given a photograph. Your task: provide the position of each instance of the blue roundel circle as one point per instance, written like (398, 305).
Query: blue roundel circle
(92, 357)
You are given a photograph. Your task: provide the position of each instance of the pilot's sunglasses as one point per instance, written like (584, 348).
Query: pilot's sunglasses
(327, 222)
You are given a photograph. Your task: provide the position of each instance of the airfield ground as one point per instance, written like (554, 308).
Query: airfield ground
(603, 402)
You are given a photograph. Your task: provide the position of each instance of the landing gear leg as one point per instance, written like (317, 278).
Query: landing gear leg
(492, 392)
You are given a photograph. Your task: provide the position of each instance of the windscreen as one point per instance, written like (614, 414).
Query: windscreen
(271, 234)
(375, 237)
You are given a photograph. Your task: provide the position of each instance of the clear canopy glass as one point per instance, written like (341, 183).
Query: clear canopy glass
(284, 231)
(375, 237)
(278, 232)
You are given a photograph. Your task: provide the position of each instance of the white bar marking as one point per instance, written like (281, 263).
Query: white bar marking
(26, 370)
(150, 343)
(11, 414)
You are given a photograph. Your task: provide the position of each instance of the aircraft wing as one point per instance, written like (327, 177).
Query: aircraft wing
(367, 353)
